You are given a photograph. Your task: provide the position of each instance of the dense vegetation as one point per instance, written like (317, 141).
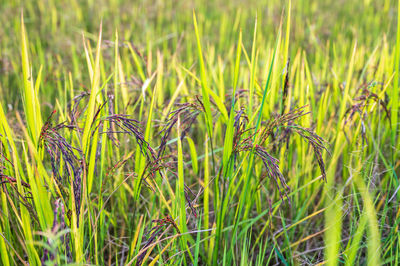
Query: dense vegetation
(199, 132)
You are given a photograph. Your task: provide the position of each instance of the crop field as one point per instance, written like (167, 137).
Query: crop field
(199, 132)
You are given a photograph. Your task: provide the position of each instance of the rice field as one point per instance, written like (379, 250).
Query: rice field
(199, 132)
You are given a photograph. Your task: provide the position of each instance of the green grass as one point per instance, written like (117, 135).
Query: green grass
(199, 132)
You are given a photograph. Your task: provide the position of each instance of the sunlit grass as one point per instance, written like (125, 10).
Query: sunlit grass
(199, 133)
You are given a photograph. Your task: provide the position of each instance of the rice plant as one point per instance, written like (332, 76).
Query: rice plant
(199, 132)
